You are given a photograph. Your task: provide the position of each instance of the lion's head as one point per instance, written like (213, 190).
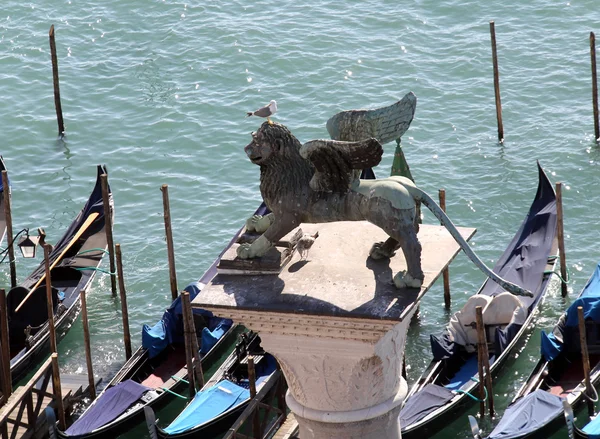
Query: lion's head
(270, 141)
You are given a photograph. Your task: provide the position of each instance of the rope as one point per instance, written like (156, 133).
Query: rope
(588, 397)
(559, 276)
(173, 393)
(5, 251)
(93, 268)
(473, 396)
(552, 259)
(181, 380)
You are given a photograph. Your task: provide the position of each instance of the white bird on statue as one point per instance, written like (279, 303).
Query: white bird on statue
(268, 110)
(305, 243)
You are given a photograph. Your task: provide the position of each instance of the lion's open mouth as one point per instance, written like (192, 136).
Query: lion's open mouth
(256, 159)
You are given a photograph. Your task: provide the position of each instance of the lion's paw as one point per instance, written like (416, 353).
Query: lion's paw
(405, 280)
(379, 251)
(244, 251)
(258, 223)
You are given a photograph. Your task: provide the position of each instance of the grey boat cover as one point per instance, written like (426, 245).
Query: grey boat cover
(527, 415)
(429, 398)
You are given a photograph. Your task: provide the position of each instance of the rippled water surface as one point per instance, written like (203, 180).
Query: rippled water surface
(158, 91)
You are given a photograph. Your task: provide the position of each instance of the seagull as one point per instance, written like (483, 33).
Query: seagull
(305, 243)
(266, 111)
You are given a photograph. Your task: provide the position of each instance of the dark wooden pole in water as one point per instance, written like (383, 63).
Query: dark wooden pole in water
(561, 240)
(594, 86)
(484, 364)
(252, 380)
(49, 302)
(497, 83)
(59, 115)
(281, 405)
(445, 273)
(6, 375)
(185, 297)
(585, 359)
(189, 316)
(108, 227)
(88, 348)
(124, 311)
(57, 390)
(169, 234)
(9, 230)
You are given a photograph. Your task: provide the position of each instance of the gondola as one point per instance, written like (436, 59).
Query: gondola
(449, 381)
(154, 374)
(74, 261)
(224, 397)
(558, 374)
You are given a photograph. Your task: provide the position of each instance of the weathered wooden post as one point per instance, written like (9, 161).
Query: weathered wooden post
(585, 358)
(108, 226)
(594, 87)
(6, 375)
(186, 306)
(185, 297)
(9, 230)
(57, 390)
(445, 273)
(124, 311)
(252, 380)
(57, 104)
(497, 83)
(484, 365)
(169, 234)
(561, 240)
(49, 302)
(88, 348)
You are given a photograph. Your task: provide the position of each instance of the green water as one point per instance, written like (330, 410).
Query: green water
(158, 91)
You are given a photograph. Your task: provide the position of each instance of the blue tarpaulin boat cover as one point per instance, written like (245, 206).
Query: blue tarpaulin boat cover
(589, 299)
(207, 405)
(527, 415)
(112, 404)
(593, 428)
(424, 402)
(169, 329)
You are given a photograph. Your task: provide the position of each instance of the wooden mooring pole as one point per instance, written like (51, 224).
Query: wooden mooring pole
(256, 433)
(9, 230)
(88, 348)
(49, 302)
(189, 316)
(169, 234)
(6, 375)
(57, 104)
(485, 377)
(57, 390)
(124, 311)
(185, 298)
(108, 227)
(585, 358)
(497, 83)
(594, 87)
(561, 240)
(445, 273)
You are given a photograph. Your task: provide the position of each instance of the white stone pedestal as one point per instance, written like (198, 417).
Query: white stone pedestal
(337, 325)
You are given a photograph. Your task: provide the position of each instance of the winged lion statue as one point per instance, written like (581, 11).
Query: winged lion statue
(317, 182)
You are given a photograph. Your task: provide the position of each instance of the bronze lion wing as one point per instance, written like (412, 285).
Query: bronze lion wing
(335, 162)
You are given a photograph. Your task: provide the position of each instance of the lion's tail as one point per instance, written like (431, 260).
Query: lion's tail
(420, 195)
